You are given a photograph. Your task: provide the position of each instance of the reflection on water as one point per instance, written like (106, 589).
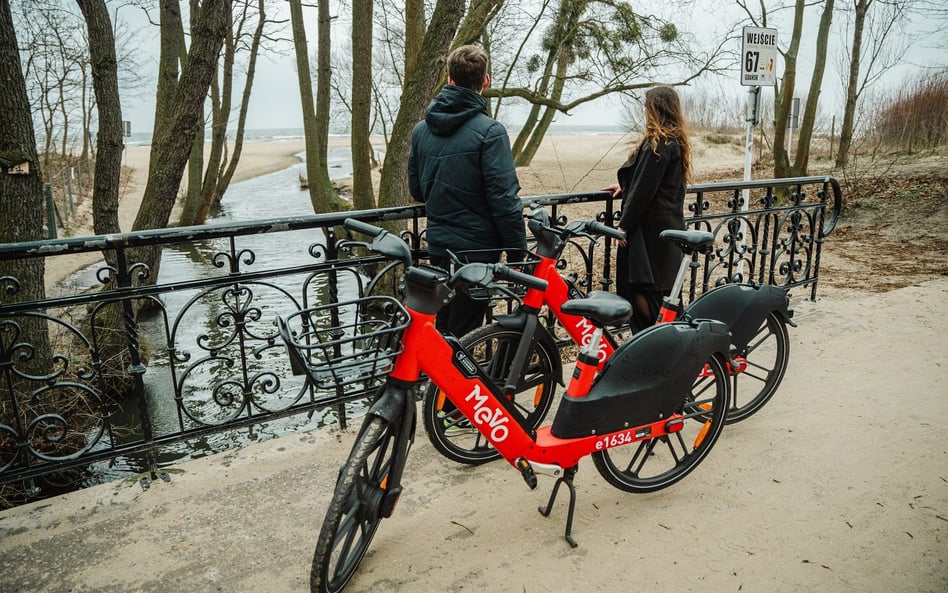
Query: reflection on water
(218, 354)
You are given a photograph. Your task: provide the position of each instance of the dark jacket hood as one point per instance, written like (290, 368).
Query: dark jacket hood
(453, 106)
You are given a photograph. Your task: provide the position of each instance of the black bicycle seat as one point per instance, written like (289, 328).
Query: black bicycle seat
(690, 241)
(600, 307)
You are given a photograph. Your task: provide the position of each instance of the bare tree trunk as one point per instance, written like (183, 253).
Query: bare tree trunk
(228, 174)
(191, 200)
(109, 141)
(323, 101)
(177, 125)
(539, 131)
(414, 31)
(21, 195)
(420, 85)
(317, 177)
(801, 159)
(361, 144)
(783, 98)
(849, 112)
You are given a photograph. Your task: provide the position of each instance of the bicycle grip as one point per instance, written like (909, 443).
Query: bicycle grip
(502, 272)
(363, 227)
(597, 228)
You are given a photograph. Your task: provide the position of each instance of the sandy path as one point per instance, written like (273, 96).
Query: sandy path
(840, 484)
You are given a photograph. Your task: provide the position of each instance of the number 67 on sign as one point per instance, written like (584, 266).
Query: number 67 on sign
(759, 56)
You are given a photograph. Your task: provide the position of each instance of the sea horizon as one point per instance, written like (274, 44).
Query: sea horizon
(291, 134)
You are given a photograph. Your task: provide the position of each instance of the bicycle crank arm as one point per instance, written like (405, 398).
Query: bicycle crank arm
(530, 469)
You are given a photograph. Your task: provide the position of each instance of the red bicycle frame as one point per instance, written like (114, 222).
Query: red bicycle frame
(459, 377)
(579, 328)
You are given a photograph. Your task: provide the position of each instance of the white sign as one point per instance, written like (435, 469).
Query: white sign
(759, 56)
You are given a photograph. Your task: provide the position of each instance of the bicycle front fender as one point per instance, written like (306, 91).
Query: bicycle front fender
(392, 402)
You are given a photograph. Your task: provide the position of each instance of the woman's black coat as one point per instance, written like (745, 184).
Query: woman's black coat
(653, 195)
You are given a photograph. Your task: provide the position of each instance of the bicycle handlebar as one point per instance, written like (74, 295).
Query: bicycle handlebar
(597, 228)
(363, 227)
(383, 242)
(502, 272)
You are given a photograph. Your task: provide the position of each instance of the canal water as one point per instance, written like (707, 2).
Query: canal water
(200, 323)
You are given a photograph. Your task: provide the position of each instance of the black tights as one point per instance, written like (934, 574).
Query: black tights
(645, 307)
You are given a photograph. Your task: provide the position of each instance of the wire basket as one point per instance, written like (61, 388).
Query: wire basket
(344, 344)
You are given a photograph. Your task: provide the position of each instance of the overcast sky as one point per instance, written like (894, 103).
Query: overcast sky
(275, 100)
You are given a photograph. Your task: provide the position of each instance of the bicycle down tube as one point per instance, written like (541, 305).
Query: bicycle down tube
(464, 383)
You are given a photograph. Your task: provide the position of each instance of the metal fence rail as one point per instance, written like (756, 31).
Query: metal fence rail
(203, 354)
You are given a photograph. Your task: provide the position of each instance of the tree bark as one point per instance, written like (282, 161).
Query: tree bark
(414, 31)
(801, 159)
(360, 141)
(228, 174)
(177, 124)
(849, 112)
(783, 98)
(109, 141)
(420, 86)
(21, 195)
(321, 193)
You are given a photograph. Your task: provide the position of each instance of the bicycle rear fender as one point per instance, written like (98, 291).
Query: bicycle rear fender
(647, 379)
(743, 308)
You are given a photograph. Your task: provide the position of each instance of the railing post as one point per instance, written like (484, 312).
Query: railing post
(135, 368)
(50, 213)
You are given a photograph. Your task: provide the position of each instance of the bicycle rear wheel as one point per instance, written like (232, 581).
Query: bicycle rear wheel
(355, 509)
(653, 464)
(763, 363)
(493, 348)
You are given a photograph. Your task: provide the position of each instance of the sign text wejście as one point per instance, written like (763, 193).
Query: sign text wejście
(758, 56)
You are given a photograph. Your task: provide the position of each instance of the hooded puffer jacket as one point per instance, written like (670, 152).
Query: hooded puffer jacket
(461, 167)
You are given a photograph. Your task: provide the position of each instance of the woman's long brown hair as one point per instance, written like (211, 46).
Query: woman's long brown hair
(664, 119)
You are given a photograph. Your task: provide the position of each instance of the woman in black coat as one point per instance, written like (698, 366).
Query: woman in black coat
(652, 185)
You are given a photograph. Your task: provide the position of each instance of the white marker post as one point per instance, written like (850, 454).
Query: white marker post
(758, 68)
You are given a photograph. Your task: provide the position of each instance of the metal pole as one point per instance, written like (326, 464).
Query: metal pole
(50, 213)
(752, 114)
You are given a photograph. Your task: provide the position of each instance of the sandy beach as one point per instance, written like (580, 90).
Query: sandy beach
(564, 163)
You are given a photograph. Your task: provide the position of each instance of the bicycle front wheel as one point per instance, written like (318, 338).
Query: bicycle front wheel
(355, 509)
(762, 364)
(653, 464)
(451, 433)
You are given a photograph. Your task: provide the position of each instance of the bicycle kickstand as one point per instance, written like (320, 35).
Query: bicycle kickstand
(566, 478)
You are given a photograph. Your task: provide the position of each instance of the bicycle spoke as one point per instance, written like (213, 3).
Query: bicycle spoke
(763, 337)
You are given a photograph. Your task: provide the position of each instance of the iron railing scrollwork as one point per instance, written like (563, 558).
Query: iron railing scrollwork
(203, 353)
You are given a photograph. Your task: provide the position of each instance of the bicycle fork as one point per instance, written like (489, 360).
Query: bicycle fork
(396, 406)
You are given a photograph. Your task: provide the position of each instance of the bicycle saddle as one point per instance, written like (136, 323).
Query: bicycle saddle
(690, 241)
(601, 307)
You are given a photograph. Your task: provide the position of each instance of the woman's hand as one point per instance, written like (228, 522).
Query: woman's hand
(623, 242)
(615, 189)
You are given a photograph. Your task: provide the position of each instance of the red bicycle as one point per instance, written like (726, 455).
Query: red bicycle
(520, 353)
(647, 421)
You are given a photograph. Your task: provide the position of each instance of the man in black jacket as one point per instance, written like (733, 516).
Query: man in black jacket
(461, 167)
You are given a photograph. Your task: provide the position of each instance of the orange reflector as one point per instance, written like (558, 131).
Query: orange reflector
(702, 433)
(538, 396)
(439, 401)
(384, 482)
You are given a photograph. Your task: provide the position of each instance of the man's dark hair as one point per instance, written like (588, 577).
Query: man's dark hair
(467, 67)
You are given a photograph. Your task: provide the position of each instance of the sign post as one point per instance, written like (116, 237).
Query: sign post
(758, 68)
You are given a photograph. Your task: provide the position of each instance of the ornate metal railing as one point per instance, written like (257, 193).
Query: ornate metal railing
(202, 354)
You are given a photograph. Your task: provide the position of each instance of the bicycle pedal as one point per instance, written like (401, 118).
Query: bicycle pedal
(526, 471)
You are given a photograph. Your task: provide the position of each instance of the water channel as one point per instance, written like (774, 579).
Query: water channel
(195, 322)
